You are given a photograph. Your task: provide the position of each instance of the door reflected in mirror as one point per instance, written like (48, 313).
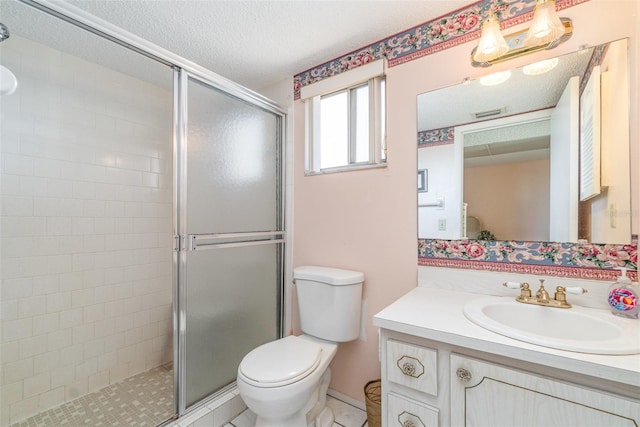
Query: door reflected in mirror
(542, 156)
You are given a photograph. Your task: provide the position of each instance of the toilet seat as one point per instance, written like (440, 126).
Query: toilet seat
(280, 362)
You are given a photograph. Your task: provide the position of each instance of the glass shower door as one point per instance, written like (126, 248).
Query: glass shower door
(230, 242)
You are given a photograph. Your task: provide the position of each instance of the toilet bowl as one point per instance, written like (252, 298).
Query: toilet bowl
(285, 382)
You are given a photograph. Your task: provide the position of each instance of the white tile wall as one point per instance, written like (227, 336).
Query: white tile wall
(86, 225)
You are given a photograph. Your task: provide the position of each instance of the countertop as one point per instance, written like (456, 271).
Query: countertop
(436, 314)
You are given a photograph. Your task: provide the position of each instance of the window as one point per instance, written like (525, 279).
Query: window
(346, 128)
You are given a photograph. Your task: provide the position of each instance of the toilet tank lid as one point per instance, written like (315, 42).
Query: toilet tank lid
(329, 275)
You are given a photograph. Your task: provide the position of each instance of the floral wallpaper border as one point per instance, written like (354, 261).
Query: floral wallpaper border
(585, 261)
(433, 137)
(450, 30)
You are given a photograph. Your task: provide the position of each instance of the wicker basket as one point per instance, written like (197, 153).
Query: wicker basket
(373, 400)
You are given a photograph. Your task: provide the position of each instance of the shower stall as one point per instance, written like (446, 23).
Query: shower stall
(142, 226)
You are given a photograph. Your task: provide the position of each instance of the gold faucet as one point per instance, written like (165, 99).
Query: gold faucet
(542, 296)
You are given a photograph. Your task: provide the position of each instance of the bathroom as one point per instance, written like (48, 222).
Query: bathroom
(367, 220)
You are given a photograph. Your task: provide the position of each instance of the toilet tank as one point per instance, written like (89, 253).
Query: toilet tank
(329, 301)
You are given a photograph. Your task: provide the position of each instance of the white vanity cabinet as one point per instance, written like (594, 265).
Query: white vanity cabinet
(429, 384)
(439, 369)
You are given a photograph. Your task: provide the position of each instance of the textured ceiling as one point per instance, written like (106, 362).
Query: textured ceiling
(260, 42)
(457, 105)
(519, 94)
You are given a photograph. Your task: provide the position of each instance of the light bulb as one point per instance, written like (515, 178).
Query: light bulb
(8, 81)
(495, 78)
(492, 44)
(546, 25)
(540, 67)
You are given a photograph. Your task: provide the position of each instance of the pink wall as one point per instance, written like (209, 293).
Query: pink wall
(515, 203)
(367, 220)
(342, 220)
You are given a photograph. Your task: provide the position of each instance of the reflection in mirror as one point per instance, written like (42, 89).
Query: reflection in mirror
(540, 156)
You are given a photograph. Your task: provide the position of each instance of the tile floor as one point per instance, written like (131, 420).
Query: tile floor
(345, 414)
(143, 400)
(146, 400)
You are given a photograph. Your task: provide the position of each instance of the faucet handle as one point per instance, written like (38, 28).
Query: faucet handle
(561, 294)
(512, 285)
(577, 290)
(525, 292)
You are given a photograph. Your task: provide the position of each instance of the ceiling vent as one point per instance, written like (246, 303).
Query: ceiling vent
(489, 113)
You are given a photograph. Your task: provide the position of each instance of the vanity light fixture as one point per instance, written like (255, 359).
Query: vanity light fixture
(540, 67)
(547, 31)
(492, 44)
(546, 25)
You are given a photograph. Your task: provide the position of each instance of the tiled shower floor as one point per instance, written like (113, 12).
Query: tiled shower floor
(142, 400)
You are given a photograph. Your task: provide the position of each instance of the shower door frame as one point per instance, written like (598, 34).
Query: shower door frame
(184, 242)
(184, 67)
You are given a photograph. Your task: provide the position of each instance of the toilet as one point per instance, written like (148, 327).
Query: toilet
(285, 382)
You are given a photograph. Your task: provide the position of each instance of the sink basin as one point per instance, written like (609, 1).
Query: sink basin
(579, 329)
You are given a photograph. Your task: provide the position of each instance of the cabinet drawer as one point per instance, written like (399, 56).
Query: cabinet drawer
(412, 366)
(405, 412)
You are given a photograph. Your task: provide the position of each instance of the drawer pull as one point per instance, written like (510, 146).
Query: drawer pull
(407, 419)
(410, 366)
(409, 369)
(463, 375)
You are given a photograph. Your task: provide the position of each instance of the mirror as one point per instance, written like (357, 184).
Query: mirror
(540, 156)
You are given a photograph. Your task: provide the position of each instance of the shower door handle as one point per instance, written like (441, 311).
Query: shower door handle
(195, 242)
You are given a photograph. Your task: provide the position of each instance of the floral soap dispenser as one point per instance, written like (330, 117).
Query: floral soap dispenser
(623, 297)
